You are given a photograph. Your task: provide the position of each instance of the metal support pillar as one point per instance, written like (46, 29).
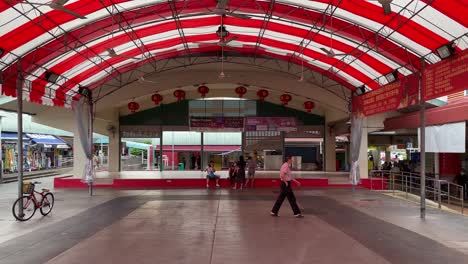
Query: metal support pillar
(19, 100)
(243, 143)
(283, 146)
(172, 159)
(202, 151)
(1, 158)
(423, 146)
(90, 143)
(161, 151)
(323, 145)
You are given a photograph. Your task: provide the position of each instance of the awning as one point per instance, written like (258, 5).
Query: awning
(229, 152)
(12, 136)
(451, 113)
(48, 141)
(374, 39)
(136, 145)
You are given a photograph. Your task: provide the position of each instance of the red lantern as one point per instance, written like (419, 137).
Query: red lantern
(285, 98)
(156, 98)
(241, 90)
(133, 106)
(180, 94)
(203, 90)
(309, 105)
(262, 94)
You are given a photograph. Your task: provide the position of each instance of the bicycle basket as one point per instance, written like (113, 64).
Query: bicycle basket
(28, 187)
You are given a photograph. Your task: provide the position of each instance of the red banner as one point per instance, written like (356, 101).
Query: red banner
(446, 77)
(399, 94)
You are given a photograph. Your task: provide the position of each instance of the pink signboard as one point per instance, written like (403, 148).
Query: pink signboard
(231, 124)
(286, 124)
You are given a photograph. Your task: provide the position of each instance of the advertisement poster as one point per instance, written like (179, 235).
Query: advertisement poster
(220, 124)
(286, 124)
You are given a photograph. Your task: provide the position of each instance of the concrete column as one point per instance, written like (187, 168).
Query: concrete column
(79, 157)
(364, 173)
(436, 165)
(114, 145)
(330, 149)
(1, 157)
(202, 151)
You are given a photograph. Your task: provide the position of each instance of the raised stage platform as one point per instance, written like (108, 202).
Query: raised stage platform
(196, 179)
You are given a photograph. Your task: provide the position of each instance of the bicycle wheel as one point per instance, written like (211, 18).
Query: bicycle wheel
(29, 208)
(47, 204)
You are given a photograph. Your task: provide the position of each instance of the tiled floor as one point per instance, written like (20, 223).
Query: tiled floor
(223, 226)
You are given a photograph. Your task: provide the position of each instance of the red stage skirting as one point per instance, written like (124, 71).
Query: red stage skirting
(201, 183)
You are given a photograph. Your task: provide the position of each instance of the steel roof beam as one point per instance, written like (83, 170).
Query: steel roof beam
(43, 16)
(176, 18)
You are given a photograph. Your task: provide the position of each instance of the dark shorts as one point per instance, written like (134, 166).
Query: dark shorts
(214, 177)
(240, 178)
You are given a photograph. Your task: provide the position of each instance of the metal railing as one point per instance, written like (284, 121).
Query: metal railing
(440, 191)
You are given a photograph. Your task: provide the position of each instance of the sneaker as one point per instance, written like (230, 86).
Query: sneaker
(298, 216)
(217, 185)
(274, 214)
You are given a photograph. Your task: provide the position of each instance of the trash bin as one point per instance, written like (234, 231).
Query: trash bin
(181, 166)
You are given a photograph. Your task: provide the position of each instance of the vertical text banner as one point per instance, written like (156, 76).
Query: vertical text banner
(446, 77)
(396, 95)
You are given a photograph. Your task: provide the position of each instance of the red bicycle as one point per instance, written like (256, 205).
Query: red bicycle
(30, 203)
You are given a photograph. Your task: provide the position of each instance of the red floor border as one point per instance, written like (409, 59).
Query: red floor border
(201, 183)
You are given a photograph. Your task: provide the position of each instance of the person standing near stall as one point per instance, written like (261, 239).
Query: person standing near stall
(251, 166)
(240, 173)
(286, 190)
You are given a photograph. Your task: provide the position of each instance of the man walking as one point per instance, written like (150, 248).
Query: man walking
(286, 190)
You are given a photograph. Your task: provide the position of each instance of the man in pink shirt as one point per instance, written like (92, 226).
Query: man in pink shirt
(286, 191)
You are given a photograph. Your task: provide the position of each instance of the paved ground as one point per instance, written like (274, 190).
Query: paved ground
(223, 226)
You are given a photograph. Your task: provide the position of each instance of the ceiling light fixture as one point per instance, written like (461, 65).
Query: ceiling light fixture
(84, 91)
(446, 51)
(392, 77)
(222, 32)
(51, 76)
(361, 90)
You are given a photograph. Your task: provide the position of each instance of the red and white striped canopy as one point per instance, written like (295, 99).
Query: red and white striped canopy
(36, 39)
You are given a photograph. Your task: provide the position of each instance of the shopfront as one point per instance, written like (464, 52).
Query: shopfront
(198, 131)
(39, 151)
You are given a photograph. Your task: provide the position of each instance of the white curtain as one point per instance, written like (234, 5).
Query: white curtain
(446, 138)
(84, 123)
(356, 136)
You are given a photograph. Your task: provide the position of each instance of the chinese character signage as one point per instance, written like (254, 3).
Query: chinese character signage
(396, 95)
(446, 77)
(286, 124)
(221, 124)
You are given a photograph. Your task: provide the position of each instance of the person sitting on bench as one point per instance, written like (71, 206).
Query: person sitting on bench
(210, 174)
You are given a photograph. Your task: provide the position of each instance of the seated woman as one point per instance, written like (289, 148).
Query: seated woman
(210, 174)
